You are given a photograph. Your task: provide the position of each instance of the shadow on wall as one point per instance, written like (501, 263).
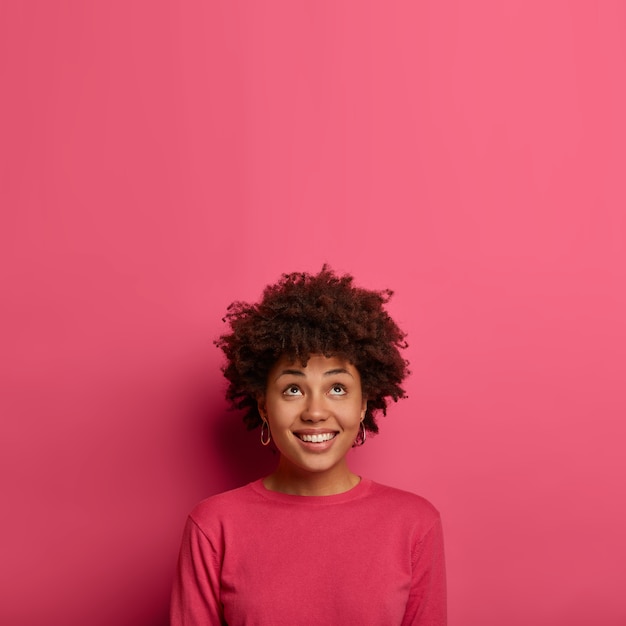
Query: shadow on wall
(238, 451)
(162, 620)
(130, 605)
(223, 453)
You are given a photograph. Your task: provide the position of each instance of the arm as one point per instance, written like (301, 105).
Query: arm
(427, 598)
(196, 590)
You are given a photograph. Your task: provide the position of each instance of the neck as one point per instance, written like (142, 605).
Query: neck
(287, 479)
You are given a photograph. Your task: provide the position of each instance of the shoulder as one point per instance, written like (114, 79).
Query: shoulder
(392, 501)
(223, 505)
(401, 497)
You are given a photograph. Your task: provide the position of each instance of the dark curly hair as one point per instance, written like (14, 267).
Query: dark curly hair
(305, 314)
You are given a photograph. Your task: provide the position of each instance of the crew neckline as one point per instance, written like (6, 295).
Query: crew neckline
(358, 491)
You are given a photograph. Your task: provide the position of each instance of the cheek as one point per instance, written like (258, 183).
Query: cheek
(280, 413)
(353, 415)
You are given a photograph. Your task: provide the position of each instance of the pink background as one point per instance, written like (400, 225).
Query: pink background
(160, 159)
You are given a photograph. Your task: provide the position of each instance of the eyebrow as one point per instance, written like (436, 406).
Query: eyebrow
(333, 372)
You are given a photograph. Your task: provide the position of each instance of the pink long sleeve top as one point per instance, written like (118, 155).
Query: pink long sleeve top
(370, 556)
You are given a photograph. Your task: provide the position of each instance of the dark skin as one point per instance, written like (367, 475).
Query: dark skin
(314, 413)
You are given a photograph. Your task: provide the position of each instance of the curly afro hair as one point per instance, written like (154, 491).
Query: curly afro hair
(304, 314)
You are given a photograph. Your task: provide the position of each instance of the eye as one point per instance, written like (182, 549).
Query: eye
(338, 390)
(292, 390)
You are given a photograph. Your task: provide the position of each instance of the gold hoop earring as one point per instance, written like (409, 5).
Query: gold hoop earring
(266, 442)
(361, 437)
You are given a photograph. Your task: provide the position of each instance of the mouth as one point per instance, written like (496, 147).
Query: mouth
(316, 438)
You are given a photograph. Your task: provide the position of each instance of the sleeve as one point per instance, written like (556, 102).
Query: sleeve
(196, 590)
(427, 604)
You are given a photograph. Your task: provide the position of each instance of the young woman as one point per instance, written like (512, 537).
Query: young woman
(312, 364)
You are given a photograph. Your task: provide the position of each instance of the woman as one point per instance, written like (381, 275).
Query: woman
(312, 364)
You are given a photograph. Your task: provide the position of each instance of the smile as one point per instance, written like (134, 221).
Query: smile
(317, 438)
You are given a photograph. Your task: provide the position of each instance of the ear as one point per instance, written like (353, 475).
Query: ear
(260, 403)
(363, 408)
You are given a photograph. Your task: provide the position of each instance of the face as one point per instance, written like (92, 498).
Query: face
(314, 414)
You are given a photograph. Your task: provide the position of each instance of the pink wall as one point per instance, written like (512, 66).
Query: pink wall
(160, 159)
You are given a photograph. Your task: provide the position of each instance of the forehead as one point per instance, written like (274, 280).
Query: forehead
(315, 364)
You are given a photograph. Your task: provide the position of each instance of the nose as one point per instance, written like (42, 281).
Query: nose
(315, 410)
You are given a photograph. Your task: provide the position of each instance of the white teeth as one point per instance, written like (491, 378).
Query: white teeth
(317, 438)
